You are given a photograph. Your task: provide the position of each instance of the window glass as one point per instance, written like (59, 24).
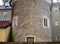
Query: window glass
(5, 14)
(45, 22)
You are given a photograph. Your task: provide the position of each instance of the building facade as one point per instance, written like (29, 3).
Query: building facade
(31, 21)
(56, 22)
(5, 20)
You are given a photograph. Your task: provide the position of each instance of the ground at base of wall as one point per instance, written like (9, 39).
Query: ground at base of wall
(33, 43)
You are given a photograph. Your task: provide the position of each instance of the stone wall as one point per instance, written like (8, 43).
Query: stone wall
(30, 17)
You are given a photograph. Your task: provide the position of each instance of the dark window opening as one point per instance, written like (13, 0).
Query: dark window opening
(30, 39)
(45, 22)
(59, 9)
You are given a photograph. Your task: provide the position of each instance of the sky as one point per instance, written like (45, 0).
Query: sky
(1, 2)
(55, 1)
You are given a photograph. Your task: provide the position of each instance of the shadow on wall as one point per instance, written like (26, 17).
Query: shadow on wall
(10, 38)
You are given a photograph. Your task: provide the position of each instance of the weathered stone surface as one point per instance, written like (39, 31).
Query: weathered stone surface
(30, 15)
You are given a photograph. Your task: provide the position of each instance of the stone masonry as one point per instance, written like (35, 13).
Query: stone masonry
(30, 20)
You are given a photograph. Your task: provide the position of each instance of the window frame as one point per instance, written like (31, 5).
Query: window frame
(30, 36)
(15, 21)
(48, 25)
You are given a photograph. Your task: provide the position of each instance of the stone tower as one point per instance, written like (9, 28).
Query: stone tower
(29, 17)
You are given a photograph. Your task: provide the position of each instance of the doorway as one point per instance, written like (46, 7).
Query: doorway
(30, 40)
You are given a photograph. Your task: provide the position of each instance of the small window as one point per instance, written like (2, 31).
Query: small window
(45, 22)
(5, 14)
(30, 39)
(57, 37)
(15, 21)
(59, 9)
(56, 9)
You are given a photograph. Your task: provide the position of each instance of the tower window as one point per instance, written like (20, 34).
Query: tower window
(45, 22)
